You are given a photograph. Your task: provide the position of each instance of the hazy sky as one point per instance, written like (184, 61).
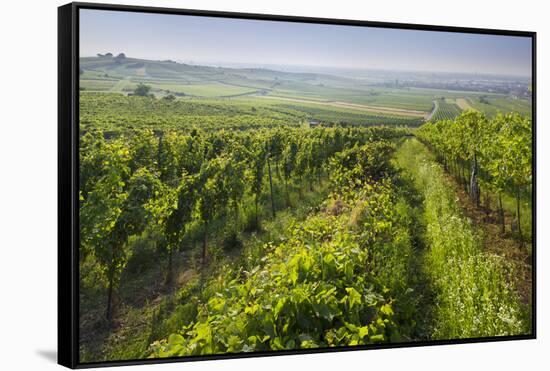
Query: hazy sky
(215, 40)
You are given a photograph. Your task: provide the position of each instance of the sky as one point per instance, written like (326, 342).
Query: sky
(209, 40)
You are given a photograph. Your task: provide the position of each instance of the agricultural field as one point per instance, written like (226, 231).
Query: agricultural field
(464, 104)
(491, 106)
(236, 113)
(103, 74)
(446, 109)
(99, 85)
(228, 209)
(207, 90)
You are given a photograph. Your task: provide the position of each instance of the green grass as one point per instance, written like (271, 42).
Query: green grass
(405, 100)
(526, 212)
(204, 90)
(398, 98)
(492, 105)
(97, 85)
(123, 85)
(475, 293)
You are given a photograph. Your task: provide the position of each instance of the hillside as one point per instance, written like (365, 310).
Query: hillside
(358, 94)
(170, 75)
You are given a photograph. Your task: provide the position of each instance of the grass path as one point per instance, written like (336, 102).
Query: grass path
(419, 280)
(472, 288)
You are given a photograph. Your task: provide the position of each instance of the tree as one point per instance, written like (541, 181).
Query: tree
(472, 123)
(493, 158)
(190, 153)
(213, 197)
(289, 163)
(133, 220)
(168, 157)
(268, 158)
(274, 148)
(93, 154)
(143, 150)
(304, 161)
(257, 166)
(516, 138)
(101, 207)
(112, 205)
(235, 174)
(318, 156)
(142, 90)
(173, 209)
(119, 58)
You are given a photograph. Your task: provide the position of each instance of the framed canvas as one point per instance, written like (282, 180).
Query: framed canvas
(237, 185)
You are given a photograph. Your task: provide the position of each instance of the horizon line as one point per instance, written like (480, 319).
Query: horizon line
(258, 65)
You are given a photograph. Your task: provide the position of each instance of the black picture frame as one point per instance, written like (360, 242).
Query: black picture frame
(68, 180)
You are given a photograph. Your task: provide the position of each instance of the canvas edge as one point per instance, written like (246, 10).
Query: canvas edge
(67, 273)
